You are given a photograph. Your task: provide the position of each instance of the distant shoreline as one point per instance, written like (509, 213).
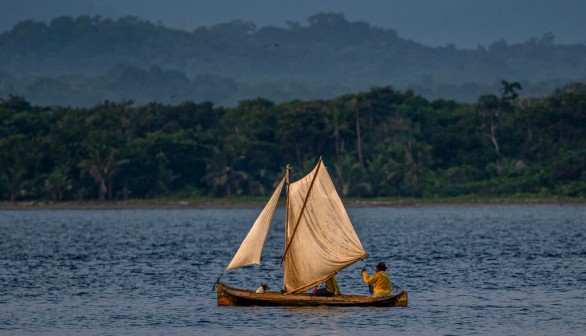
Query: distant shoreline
(239, 204)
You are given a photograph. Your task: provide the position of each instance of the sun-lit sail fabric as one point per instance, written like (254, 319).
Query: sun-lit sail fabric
(324, 241)
(251, 248)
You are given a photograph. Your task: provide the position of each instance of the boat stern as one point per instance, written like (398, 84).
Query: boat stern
(402, 299)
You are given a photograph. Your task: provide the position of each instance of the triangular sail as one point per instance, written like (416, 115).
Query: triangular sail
(251, 248)
(320, 239)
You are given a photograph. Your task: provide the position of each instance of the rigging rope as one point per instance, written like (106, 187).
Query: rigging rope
(214, 286)
(267, 272)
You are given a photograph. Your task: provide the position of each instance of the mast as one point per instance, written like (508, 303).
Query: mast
(287, 182)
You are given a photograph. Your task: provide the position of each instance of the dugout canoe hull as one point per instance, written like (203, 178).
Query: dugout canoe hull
(228, 296)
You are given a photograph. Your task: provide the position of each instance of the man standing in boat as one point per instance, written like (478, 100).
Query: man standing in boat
(380, 280)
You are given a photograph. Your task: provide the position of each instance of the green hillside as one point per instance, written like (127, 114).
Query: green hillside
(85, 60)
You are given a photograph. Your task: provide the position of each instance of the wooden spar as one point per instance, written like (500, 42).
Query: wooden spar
(287, 204)
(319, 163)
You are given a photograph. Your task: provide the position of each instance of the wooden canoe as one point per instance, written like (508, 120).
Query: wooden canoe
(228, 296)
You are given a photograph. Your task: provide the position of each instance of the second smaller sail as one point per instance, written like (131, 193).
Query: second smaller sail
(251, 248)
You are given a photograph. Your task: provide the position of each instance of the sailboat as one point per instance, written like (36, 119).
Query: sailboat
(319, 242)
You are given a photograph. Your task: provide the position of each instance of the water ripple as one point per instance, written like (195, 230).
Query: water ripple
(469, 270)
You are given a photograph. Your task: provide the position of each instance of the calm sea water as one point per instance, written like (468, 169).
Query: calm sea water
(480, 270)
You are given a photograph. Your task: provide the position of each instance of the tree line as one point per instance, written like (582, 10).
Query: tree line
(379, 143)
(84, 60)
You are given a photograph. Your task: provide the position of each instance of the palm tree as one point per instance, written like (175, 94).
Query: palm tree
(412, 167)
(375, 182)
(58, 182)
(355, 104)
(346, 173)
(102, 168)
(337, 125)
(13, 180)
(492, 110)
(15, 166)
(221, 172)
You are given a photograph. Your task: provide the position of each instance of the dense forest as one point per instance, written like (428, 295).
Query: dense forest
(85, 60)
(378, 143)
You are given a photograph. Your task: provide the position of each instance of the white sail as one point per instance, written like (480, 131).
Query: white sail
(251, 248)
(320, 239)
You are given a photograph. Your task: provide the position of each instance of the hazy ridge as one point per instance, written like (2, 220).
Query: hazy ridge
(84, 60)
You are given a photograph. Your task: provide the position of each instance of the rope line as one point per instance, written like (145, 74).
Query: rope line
(270, 276)
(214, 285)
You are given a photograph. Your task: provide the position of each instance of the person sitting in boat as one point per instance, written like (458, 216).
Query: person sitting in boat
(331, 288)
(380, 280)
(262, 289)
